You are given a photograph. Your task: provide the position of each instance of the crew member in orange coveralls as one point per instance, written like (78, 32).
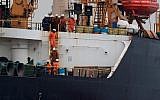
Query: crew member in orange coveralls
(48, 65)
(56, 66)
(52, 38)
(71, 24)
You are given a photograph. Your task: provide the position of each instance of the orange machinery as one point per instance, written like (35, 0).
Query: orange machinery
(139, 10)
(140, 7)
(21, 11)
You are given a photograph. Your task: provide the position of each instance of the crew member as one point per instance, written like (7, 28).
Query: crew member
(52, 38)
(71, 24)
(53, 26)
(57, 20)
(46, 23)
(49, 66)
(62, 24)
(56, 66)
(114, 22)
(54, 55)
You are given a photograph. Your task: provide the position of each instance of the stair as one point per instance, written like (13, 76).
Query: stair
(100, 14)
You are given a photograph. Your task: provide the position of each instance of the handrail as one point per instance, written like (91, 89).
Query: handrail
(17, 24)
(78, 29)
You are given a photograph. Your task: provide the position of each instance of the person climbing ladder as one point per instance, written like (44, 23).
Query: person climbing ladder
(52, 39)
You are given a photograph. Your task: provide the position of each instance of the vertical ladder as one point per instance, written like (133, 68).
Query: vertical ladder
(158, 21)
(100, 14)
(4, 12)
(34, 5)
(53, 53)
(6, 3)
(5, 6)
(30, 22)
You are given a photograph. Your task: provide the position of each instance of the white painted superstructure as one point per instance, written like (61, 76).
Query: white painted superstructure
(79, 49)
(18, 44)
(75, 49)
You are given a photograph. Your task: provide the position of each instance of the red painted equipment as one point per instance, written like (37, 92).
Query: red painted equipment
(140, 7)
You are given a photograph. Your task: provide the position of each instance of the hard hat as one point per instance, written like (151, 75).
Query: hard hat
(59, 16)
(57, 59)
(51, 16)
(62, 14)
(54, 48)
(48, 60)
(72, 16)
(56, 15)
(53, 29)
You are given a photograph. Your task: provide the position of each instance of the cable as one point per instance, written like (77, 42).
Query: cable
(150, 25)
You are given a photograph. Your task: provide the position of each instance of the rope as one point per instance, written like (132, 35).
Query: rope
(150, 25)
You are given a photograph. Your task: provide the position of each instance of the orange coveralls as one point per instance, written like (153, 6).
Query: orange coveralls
(49, 67)
(56, 66)
(52, 39)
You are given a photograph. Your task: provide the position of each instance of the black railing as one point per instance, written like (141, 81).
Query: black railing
(21, 24)
(77, 29)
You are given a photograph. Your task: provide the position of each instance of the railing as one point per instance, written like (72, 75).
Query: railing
(20, 24)
(38, 26)
(157, 26)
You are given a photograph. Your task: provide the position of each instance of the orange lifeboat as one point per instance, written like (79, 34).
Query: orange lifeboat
(140, 7)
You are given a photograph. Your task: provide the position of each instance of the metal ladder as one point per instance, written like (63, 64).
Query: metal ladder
(158, 21)
(100, 14)
(6, 3)
(53, 54)
(5, 12)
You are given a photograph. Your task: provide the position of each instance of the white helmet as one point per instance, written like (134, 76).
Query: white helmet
(56, 15)
(54, 29)
(48, 60)
(72, 16)
(54, 48)
(51, 16)
(57, 59)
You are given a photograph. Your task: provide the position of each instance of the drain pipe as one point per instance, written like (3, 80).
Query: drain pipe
(113, 69)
